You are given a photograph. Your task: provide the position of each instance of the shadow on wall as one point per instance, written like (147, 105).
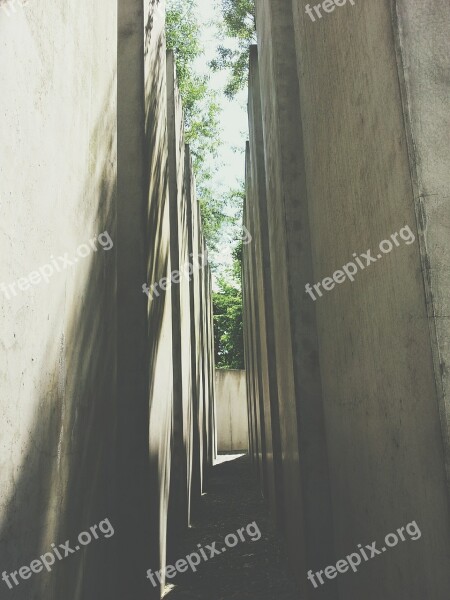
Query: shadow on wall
(66, 481)
(160, 311)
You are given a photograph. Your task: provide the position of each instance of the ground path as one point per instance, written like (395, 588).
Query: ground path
(249, 571)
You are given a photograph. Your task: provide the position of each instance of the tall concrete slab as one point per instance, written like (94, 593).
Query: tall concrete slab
(251, 357)
(58, 173)
(180, 348)
(203, 408)
(307, 502)
(202, 364)
(421, 35)
(380, 335)
(354, 115)
(263, 289)
(87, 370)
(210, 434)
(212, 407)
(134, 484)
(159, 268)
(181, 313)
(253, 450)
(193, 227)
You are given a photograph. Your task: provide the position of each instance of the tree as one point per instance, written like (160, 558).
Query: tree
(239, 23)
(201, 113)
(228, 321)
(220, 212)
(200, 104)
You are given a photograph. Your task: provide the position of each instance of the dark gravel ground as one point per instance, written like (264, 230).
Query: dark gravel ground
(252, 570)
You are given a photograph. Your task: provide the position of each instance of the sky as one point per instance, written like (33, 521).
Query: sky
(233, 122)
(234, 116)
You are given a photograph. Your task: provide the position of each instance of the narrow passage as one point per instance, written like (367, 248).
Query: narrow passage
(252, 570)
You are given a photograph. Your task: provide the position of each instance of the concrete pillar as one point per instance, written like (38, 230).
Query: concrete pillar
(376, 148)
(212, 447)
(252, 365)
(193, 225)
(205, 409)
(58, 337)
(133, 467)
(159, 268)
(422, 30)
(89, 354)
(181, 456)
(257, 204)
(305, 462)
(246, 326)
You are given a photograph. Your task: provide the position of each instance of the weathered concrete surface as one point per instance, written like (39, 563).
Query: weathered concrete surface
(193, 417)
(207, 403)
(87, 371)
(375, 346)
(203, 417)
(181, 314)
(159, 267)
(355, 115)
(194, 251)
(133, 484)
(305, 471)
(422, 55)
(58, 169)
(58, 360)
(254, 375)
(258, 222)
(247, 320)
(211, 436)
(231, 402)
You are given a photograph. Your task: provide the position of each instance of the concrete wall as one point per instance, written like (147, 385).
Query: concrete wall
(58, 174)
(159, 324)
(258, 216)
(231, 403)
(421, 36)
(90, 388)
(181, 315)
(133, 246)
(353, 119)
(305, 498)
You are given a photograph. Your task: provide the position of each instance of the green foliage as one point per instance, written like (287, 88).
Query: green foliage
(201, 112)
(220, 227)
(228, 321)
(238, 23)
(182, 36)
(200, 103)
(220, 212)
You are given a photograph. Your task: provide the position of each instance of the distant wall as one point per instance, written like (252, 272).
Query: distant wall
(231, 403)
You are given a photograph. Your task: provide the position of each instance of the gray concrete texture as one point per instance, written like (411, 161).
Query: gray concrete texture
(231, 405)
(98, 401)
(354, 121)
